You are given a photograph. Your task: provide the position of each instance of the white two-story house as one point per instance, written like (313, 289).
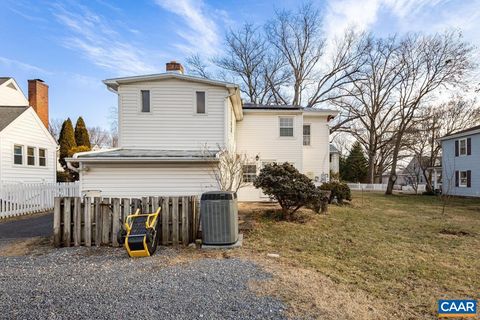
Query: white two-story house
(167, 121)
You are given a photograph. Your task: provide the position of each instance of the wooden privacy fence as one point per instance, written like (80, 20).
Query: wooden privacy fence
(25, 198)
(96, 221)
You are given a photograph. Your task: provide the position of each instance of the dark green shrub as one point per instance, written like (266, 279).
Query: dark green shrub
(287, 185)
(320, 200)
(339, 190)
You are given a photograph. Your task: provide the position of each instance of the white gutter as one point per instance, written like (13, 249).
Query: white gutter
(137, 159)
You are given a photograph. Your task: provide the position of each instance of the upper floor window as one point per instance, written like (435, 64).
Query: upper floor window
(249, 172)
(18, 154)
(145, 100)
(463, 147)
(200, 102)
(31, 156)
(306, 135)
(286, 127)
(42, 157)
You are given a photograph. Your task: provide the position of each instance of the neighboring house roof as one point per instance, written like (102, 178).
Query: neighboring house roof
(466, 132)
(234, 90)
(333, 149)
(122, 154)
(10, 113)
(4, 79)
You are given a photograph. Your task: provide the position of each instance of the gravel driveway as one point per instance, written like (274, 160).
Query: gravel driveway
(103, 283)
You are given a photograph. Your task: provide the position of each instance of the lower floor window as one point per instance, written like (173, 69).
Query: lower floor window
(249, 172)
(463, 181)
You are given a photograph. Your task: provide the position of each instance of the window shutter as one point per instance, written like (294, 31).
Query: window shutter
(469, 178)
(457, 178)
(456, 148)
(469, 146)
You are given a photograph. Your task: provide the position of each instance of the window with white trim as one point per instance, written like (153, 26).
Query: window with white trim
(18, 154)
(42, 157)
(462, 147)
(30, 156)
(286, 127)
(249, 172)
(306, 134)
(463, 179)
(145, 100)
(200, 102)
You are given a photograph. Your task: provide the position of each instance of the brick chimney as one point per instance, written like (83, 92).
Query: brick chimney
(38, 98)
(174, 66)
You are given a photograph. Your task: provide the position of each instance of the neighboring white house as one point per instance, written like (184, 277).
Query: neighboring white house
(27, 149)
(334, 159)
(167, 120)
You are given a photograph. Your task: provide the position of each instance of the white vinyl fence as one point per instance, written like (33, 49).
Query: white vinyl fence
(25, 198)
(383, 187)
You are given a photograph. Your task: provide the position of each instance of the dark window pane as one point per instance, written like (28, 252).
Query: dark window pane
(145, 100)
(31, 156)
(18, 155)
(42, 158)
(286, 132)
(200, 102)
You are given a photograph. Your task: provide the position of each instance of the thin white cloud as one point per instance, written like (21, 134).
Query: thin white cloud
(93, 36)
(201, 33)
(22, 65)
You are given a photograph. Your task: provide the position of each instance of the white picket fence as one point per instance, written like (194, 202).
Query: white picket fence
(25, 198)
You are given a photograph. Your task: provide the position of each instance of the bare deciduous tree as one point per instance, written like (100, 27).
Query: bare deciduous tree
(427, 63)
(228, 170)
(54, 127)
(99, 136)
(197, 66)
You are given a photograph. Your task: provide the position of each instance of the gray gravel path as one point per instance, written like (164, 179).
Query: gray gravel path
(103, 283)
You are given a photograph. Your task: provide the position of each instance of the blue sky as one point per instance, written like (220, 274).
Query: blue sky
(73, 45)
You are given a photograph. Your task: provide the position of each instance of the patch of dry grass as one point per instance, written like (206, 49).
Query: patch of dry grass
(23, 247)
(395, 253)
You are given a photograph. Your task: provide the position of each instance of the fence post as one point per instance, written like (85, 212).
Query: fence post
(87, 217)
(57, 236)
(98, 221)
(175, 221)
(106, 221)
(67, 222)
(115, 221)
(185, 237)
(165, 220)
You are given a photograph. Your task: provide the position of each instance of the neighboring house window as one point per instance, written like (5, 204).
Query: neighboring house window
(463, 178)
(306, 135)
(463, 147)
(200, 101)
(18, 154)
(249, 172)
(42, 157)
(31, 156)
(145, 100)
(286, 127)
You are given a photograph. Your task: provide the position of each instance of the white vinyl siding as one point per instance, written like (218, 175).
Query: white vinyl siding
(316, 158)
(258, 135)
(172, 123)
(27, 131)
(144, 179)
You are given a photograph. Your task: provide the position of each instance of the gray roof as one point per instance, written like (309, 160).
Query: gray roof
(256, 106)
(10, 113)
(333, 149)
(150, 154)
(462, 132)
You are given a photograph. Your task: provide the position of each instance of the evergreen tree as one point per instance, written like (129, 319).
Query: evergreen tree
(81, 134)
(356, 165)
(66, 141)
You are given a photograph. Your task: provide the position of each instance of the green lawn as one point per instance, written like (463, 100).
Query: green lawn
(400, 248)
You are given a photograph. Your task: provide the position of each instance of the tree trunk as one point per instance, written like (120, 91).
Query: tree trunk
(393, 170)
